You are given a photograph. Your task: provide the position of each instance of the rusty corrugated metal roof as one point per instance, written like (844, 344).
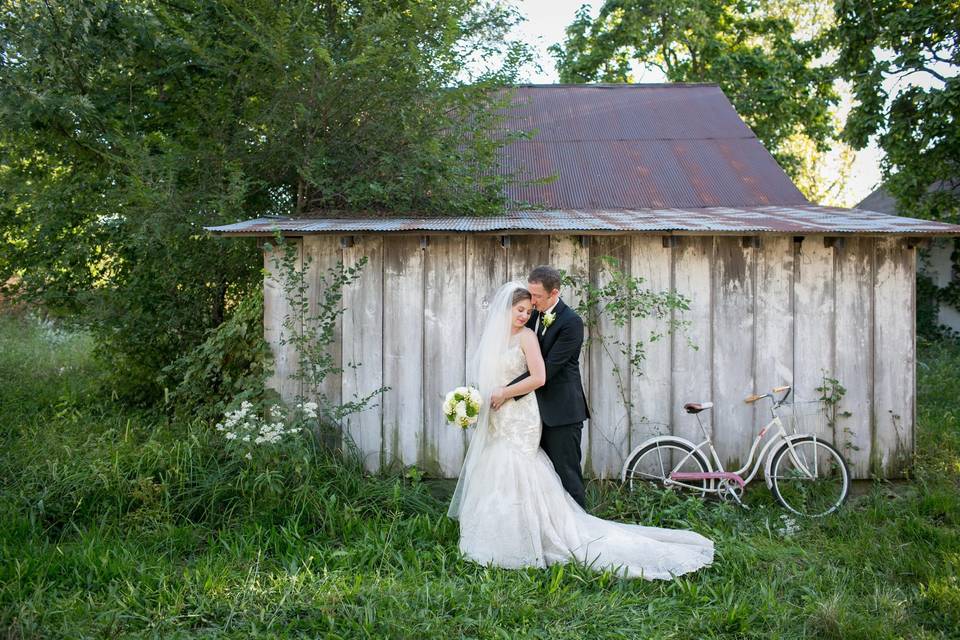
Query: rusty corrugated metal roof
(646, 146)
(664, 158)
(795, 220)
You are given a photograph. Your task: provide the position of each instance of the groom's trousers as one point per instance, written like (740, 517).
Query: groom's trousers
(562, 445)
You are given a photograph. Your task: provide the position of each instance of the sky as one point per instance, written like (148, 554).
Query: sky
(546, 21)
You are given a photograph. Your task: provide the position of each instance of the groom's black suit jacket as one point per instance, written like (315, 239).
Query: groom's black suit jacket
(561, 398)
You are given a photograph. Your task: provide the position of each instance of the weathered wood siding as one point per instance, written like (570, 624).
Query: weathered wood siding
(783, 312)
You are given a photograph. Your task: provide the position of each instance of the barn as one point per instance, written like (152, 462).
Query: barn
(667, 179)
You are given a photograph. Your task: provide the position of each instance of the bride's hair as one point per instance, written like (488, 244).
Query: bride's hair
(518, 295)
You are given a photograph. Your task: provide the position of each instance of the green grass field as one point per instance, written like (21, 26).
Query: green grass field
(122, 523)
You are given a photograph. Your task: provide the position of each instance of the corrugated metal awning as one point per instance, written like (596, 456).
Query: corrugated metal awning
(789, 220)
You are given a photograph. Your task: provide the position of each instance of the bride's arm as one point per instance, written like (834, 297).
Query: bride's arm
(538, 371)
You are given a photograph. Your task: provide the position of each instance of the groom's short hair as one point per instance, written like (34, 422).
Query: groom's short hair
(546, 276)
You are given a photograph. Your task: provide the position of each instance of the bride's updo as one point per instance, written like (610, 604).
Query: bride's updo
(519, 294)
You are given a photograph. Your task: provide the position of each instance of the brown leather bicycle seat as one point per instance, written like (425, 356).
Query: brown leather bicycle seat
(697, 407)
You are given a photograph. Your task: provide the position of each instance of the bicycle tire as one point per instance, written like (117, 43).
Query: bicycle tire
(791, 501)
(656, 478)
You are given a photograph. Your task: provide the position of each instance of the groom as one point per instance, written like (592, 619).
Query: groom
(563, 406)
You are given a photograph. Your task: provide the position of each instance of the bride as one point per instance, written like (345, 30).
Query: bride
(512, 507)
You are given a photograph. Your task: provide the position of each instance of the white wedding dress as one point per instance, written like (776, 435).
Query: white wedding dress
(514, 511)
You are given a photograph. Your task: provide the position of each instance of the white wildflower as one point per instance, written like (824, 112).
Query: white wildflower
(231, 435)
(248, 456)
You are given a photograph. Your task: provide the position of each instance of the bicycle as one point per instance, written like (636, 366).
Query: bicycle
(807, 475)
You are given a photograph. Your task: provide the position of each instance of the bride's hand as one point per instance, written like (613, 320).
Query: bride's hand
(497, 398)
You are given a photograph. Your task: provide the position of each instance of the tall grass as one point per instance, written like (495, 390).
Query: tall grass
(120, 523)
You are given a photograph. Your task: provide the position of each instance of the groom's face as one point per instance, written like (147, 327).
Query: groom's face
(542, 299)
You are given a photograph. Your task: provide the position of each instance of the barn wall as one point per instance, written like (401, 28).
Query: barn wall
(783, 312)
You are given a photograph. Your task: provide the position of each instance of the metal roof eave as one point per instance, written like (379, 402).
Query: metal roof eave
(794, 220)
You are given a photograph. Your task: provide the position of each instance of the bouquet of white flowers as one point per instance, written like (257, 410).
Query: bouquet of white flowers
(462, 406)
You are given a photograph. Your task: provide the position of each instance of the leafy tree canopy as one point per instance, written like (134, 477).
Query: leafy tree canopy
(918, 128)
(127, 126)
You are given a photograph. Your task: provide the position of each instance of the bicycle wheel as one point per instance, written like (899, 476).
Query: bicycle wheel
(812, 482)
(651, 466)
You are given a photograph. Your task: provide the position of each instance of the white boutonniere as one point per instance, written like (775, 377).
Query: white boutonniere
(548, 319)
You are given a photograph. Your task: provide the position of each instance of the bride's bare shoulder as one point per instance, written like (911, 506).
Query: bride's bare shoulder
(527, 334)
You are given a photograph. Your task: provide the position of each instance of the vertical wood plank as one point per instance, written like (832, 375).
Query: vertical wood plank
(525, 253)
(854, 351)
(894, 357)
(363, 346)
(609, 370)
(568, 255)
(814, 299)
(773, 346)
(733, 338)
(403, 310)
(692, 373)
(444, 346)
(650, 385)
(321, 259)
(774, 320)
(486, 271)
(275, 309)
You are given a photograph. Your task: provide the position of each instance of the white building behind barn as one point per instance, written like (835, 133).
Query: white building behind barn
(668, 180)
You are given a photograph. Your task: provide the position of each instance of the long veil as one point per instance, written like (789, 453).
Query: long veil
(484, 370)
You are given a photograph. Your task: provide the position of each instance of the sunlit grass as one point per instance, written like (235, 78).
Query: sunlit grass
(120, 523)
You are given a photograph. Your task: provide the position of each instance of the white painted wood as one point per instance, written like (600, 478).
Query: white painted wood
(276, 307)
(486, 271)
(363, 346)
(773, 322)
(609, 369)
(650, 384)
(444, 345)
(733, 343)
(773, 345)
(853, 265)
(569, 255)
(403, 311)
(812, 315)
(692, 374)
(322, 258)
(894, 357)
(525, 253)
(813, 324)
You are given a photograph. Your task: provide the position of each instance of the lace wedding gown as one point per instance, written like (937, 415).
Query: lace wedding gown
(516, 513)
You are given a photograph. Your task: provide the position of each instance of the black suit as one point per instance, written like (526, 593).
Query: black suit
(563, 405)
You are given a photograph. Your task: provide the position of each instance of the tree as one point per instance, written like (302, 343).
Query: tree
(748, 47)
(918, 129)
(127, 126)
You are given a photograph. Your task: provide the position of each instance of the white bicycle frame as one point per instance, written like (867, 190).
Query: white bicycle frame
(765, 457)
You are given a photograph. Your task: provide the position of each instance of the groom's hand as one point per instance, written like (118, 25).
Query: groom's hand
(497, 398)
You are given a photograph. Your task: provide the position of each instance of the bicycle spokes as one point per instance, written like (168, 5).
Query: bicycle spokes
(809, 477)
